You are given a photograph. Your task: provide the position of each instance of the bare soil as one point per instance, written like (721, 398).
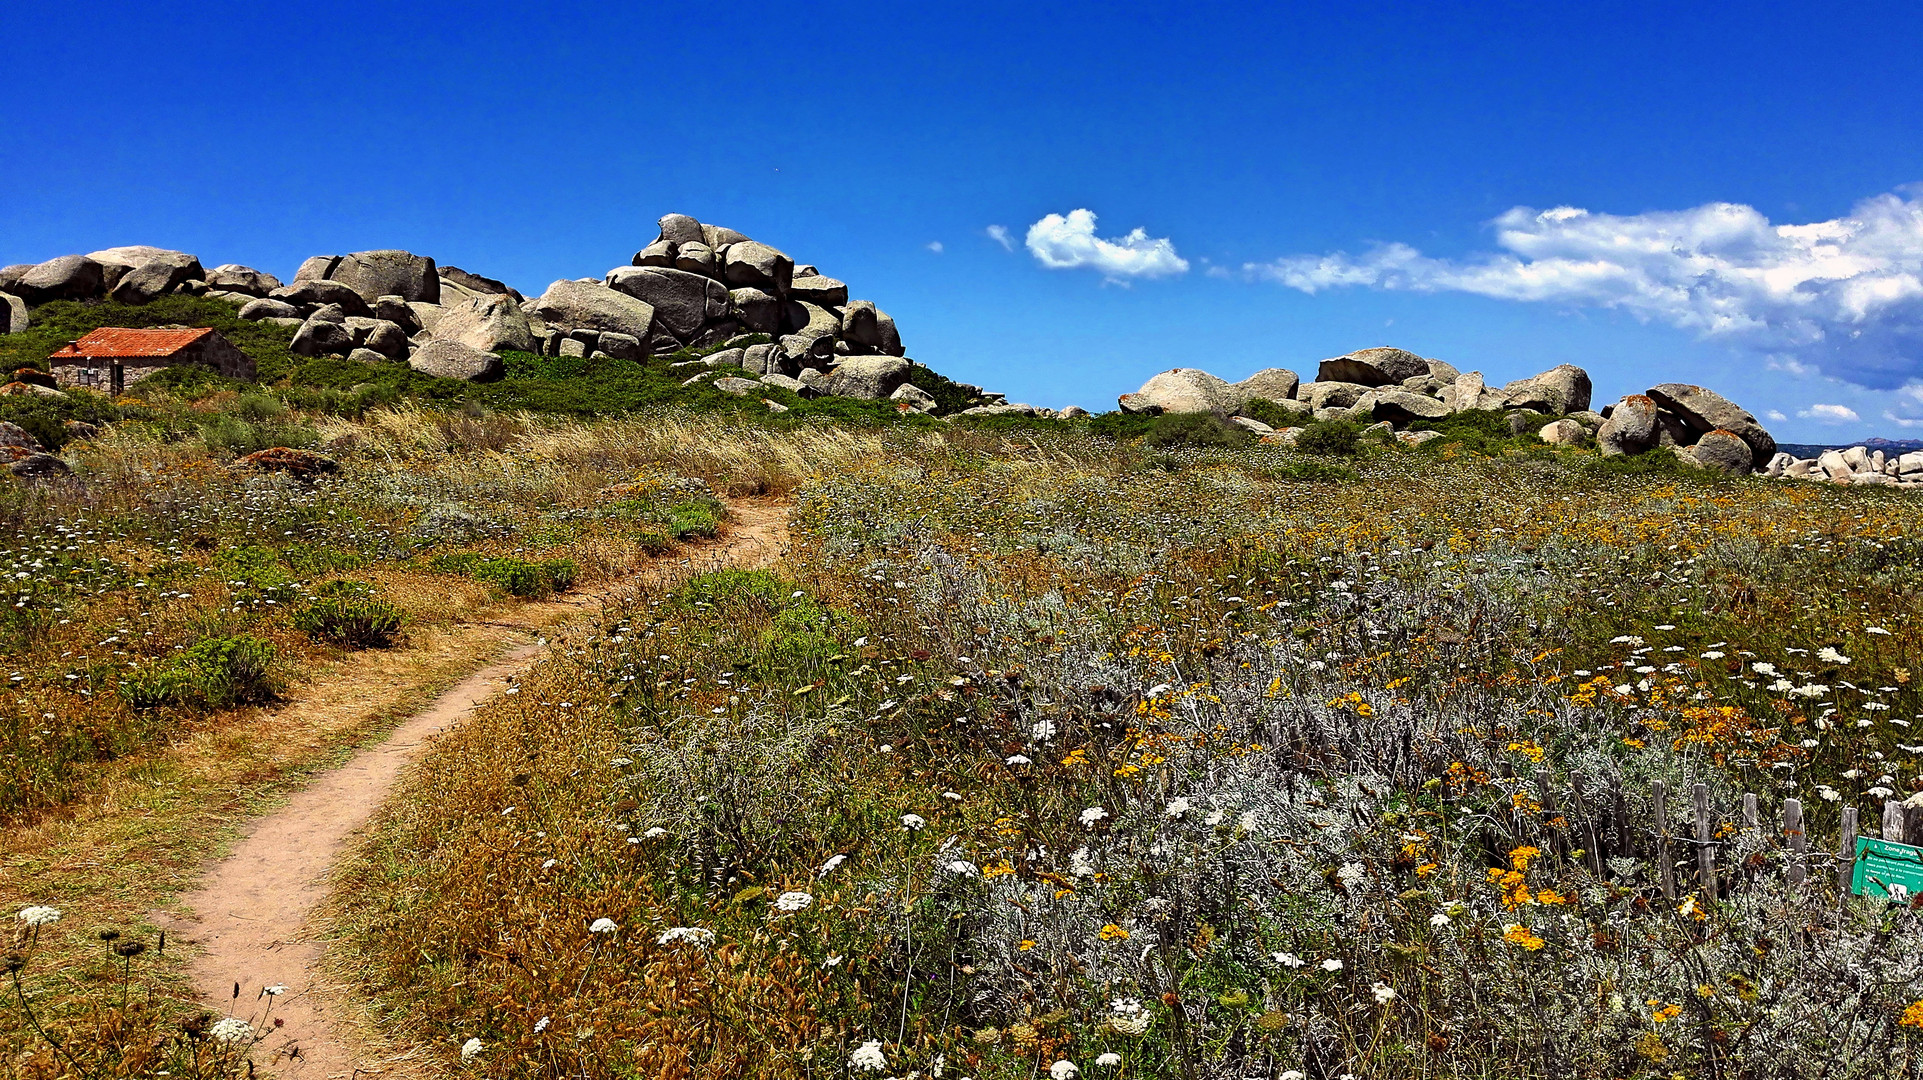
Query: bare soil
(251, 921)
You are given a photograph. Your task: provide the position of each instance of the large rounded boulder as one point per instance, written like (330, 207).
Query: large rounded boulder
(1183, 390)
(592, 306)
(1373, 367)
(1704, 411)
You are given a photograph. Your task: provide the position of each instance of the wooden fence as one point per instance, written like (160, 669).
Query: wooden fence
(1597, 823)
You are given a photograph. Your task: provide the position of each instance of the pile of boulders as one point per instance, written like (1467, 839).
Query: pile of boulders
(696, 286)
(1397, 391)
(1856, 465)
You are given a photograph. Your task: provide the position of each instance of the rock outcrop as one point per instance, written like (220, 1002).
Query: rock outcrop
(1397, 387)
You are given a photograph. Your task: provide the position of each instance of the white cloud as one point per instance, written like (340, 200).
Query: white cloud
(999, 234)
(1064, 243)
(1775, 414)
(1843, 296)
(934, 246)
(1830, 414)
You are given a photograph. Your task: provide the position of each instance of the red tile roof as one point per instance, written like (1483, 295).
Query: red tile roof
(112, 342)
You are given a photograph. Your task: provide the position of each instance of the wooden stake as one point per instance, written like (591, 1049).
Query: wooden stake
(1798, 872)
(1893, 821)
(1846, 854)
(1705, 851)
(1658, 794)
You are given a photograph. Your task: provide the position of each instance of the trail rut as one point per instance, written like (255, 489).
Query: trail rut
(252, 918)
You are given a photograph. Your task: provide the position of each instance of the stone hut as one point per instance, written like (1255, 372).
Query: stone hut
(113, 358)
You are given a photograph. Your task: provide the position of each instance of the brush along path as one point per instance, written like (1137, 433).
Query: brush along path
(251, 916)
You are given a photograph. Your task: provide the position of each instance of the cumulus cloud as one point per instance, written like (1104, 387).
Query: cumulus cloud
(1775, 414)
(1844, 297)
(934, 246)
(1065, 243)
(1831, 414)
(999, 234)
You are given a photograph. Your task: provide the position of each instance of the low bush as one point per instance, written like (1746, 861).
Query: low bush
(215, 673)
(1338, 438)
(1268, 412)
(1194, 429)
(349, 613)
(516, 577)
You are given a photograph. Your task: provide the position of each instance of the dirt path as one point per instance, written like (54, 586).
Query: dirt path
(250, 919)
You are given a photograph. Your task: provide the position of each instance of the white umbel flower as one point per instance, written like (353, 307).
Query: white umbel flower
(913, 822)
(231, 1029)
(1384, 994)
(868, 1057)
(39, 915)
(470, 1050)
(1063, 1070)
(1092, 815)
(693, 935)
(602, 926)
(793, 901)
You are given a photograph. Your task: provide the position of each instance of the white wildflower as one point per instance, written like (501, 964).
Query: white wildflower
(952, 796)
(1876, 630)
(868, 1057)
(1829, 655)
(1125, 1006)
(793, 901)
(1439, 920)
(470, 1050)
(1331, 964)
(1247, 821)
(39, 915)
(1043, 730)
(693, 935)
(1287, 959)
(1350, 875)
(1714, 654)
(1018, 759)
(1177, 807)
(1761, 668)
(655, 833)
(231, 1029)
(1383, 993)
(829, 866)
(602, 925)
(1811, 690)
(1092, 815)
(1214, 818)
(1063, 1070)
(913, 822)
(1109, 1060)
(541, 1025)
(964, 868)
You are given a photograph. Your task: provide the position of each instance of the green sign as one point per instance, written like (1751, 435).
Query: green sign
(1883, 868)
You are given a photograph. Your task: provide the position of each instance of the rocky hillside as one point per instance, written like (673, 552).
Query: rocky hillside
(1399, 391)
(758, 317)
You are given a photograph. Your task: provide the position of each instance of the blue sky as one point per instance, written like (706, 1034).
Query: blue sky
(1328, 177)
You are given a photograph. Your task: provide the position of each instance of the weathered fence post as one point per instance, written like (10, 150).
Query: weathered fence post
(1752, 817)
(1893, 821)
(1592, 836)
(1846, 853)
(1658, 794)
(1797, 872)
(1705, 850)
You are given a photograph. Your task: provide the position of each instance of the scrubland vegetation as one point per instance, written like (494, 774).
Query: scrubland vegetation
(1049, 750)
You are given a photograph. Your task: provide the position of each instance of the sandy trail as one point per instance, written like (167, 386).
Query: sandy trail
(251, 920)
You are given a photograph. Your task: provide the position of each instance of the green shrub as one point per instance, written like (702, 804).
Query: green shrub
(225, 431)
(1336, 438)
(696, 519)
(1656, 462)
(1194, 429)
(516, 577)
(1268, 412)
(215, 673)
(349, 613)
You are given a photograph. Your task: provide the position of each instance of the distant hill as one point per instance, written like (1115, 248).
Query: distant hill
(1888, 446)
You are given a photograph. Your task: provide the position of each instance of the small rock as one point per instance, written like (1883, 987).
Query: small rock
(39, 467)
(1564, 433)
(1254, 427)
(300, 464)
(453, 360)
(737, 386)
